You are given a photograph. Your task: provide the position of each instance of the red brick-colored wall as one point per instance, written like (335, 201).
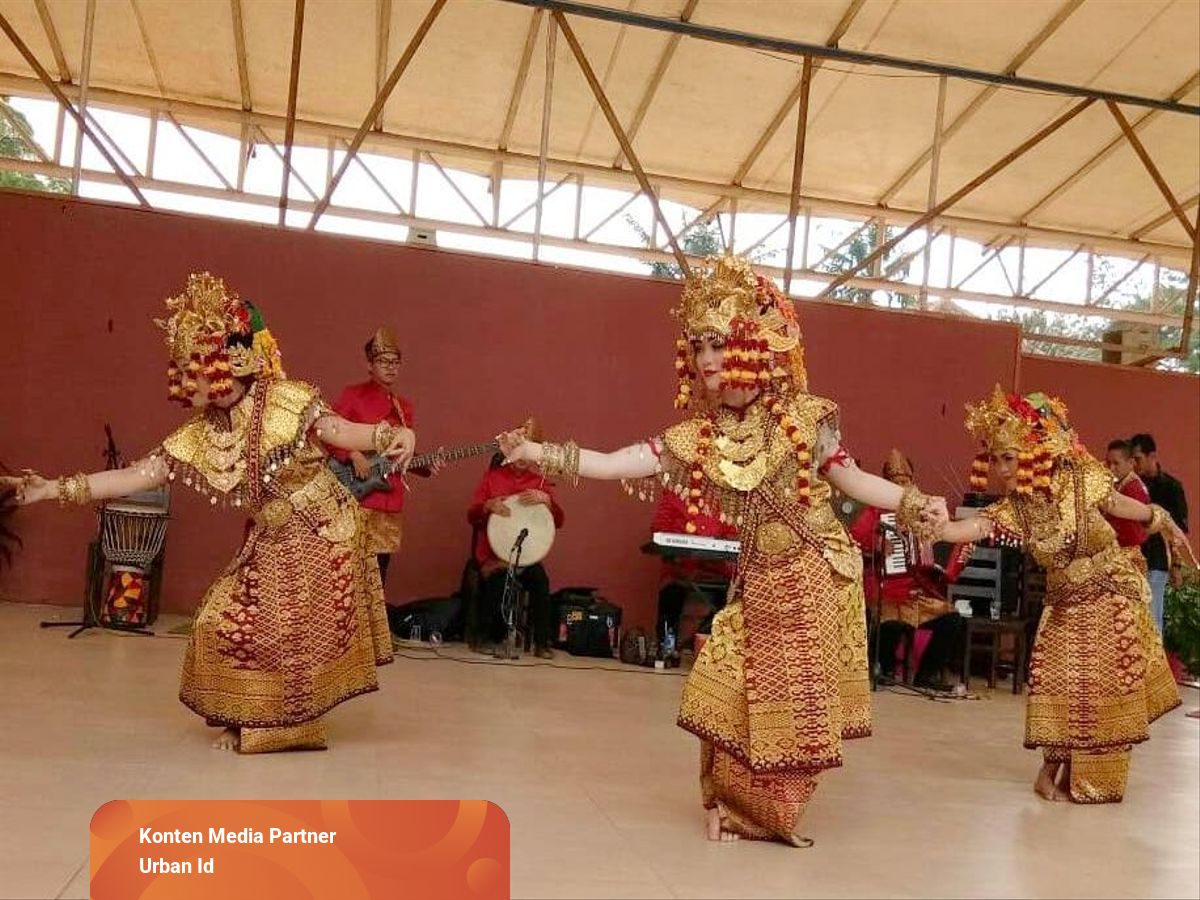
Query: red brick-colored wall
(486, 343)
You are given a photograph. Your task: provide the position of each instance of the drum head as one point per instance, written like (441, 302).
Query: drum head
(502, 531)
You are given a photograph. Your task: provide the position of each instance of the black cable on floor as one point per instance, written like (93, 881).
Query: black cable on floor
(627, 670)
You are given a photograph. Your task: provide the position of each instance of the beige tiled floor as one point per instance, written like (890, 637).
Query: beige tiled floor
(598, 784)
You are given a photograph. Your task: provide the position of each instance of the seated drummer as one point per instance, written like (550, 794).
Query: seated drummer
(680, 577)
(910, 601)
(499, 483)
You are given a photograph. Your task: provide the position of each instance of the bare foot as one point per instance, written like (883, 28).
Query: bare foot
(1045, 784)
(716, 832)
(227, 740)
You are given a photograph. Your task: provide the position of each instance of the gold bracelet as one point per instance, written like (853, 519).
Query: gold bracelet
(1158, 520)
(908, 513)
(74, 489)
(382, 436)
(561, 459)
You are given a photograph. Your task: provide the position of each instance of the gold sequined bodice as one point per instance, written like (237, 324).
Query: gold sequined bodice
(257, 448)
(1067, 534)
(751, 478)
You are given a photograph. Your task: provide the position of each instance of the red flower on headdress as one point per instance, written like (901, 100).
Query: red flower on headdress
(1023, 408)
(242, 315)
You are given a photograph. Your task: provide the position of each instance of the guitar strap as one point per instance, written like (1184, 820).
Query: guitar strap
(399, 409)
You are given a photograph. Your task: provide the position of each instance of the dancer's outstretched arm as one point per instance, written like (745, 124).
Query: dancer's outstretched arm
(1156, 517)
(875, 491)
(635, 461)
(82, 489)
(152, 472)
(966, 531)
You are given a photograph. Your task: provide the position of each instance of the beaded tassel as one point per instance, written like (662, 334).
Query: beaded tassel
(1025, 473)
(1043, 463)
(684, 373)
(979, 473)
(694, 491)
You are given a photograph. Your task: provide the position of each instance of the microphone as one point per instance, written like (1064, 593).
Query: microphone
(521, 535)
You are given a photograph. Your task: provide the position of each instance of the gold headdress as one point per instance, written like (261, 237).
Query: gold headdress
(1034, 427)
(382, 341)
(760, 338)
(211, 331)
(201, 317)
(724, 297)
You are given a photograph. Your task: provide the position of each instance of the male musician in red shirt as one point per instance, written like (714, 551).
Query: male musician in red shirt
(1119, 460)
(376, 400)
(909, 602)
(529, 487)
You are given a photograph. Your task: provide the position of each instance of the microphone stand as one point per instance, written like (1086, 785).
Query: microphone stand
(877, 627)
(508, 600)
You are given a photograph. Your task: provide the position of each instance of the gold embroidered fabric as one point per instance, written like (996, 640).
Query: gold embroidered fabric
(309, 736)
(296, 623)
(1097, 776)
(1098, 674)
(384, 530)
(758, 807)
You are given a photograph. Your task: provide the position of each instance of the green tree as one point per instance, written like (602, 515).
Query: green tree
(702, 239)
(1172, 294)
(1037, 321)
(850, 257)
(1130, 296)
(15, 145)
(1172, 291)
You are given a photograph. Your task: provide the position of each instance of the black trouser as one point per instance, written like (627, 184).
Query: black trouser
(945, 645)
(384, 559)
(491, 592)
(674, 595)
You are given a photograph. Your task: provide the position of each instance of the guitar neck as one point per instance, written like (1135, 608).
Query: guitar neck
(427, 459)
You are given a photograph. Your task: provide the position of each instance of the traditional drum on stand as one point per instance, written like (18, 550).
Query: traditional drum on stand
(522, 538)
(534, 519)
(132, 531)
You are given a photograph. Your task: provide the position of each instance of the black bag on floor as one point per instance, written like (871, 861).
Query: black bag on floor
(422, 619)
(569, 599)
(590, 628)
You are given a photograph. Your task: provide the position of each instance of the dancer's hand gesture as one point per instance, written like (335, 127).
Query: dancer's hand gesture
(27, 489)
(515, 446)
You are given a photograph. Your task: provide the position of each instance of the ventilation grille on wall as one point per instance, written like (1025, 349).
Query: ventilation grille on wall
(426, 237)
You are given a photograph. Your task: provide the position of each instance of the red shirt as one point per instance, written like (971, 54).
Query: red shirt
(671, 517)
(369, 403)
(504, 481)
(1129, 532)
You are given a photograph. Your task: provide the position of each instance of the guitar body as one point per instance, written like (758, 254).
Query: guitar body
(376, 480)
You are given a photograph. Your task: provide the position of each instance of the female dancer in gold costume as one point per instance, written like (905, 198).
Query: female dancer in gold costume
(1097, 675)
(296, 623)
(784, 678)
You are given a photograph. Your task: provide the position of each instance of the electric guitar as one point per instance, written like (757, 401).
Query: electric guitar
(382, 467)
